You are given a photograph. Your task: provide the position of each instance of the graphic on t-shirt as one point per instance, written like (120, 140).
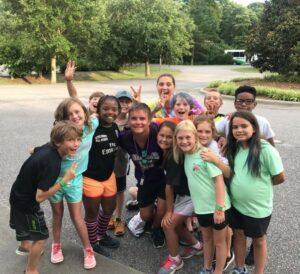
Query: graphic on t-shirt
(196, 167)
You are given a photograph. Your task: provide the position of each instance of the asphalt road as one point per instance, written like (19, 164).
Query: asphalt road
(26, 116)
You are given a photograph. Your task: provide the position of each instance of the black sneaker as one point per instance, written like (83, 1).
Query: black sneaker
(158, 237)
(109, 242)
(132, 205)
(250, 257)
(98, 249)
(229, 260)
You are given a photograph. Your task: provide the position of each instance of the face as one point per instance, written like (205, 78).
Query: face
(242, 130)
(165, 138)
(108, 112)
(139, 122)
(76, 114)
(165, 87)
(125, 104)
(213, 101)
(69, 146)
(181, 109)
(93, 104)
(205, 133)
(186, 140)
(245, 101)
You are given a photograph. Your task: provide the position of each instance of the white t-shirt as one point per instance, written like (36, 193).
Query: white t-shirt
(264, 126)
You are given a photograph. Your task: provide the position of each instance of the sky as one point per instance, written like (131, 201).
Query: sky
(247, 2)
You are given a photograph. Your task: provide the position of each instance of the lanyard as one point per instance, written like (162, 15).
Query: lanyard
(143, 162)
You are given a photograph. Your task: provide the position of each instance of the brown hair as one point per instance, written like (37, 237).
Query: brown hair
(203, 118)
(96, 94)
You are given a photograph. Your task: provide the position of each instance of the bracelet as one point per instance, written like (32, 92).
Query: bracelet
(62, 182)
(220, 208)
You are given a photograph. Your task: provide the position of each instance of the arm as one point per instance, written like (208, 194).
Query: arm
(167, 219)
(65, 181)
(222, 143)
(271, 141)
(69, 76)
(210, 156)
(219, 215)
(279, 178)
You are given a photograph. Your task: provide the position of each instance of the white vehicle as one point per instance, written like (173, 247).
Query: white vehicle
(238, 56)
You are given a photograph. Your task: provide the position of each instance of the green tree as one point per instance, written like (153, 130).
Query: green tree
(274, 44)
(35, 32)
(143, 30)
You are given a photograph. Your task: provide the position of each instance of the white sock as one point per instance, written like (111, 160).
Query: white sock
(197, 245)
(177, 258)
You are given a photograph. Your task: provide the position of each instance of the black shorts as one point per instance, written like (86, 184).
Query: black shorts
(149, 192)
(29, 226)
(207, 220)
(253, 227)
(121, 184)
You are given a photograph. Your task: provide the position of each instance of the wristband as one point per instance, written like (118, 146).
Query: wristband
(220, 208)
(62, 182)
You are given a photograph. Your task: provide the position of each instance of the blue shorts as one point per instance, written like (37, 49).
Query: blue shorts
(72, 193)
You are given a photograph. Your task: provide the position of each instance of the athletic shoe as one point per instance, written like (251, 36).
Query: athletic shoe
(56, 254)
(109, 242)
(89, 258)
(119, 227)
(100, 250)
(190, 251)
(229, 260)
(250, 257)
(111, 224)
(136, 225)
(158, 237)
(170, 266)
(22, 251)
(239, 270)
(205, 271)
(132, 205)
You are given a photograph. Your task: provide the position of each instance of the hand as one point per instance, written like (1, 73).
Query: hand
(208, 155)
(222, 144)
(136, 93)
(167, 219)
(219, 216)
(70, 71)
(70, 173)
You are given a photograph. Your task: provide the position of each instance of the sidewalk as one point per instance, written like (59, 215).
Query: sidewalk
(73, 263)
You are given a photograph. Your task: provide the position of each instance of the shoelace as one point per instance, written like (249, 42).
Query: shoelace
(56, 248)
(89, 252)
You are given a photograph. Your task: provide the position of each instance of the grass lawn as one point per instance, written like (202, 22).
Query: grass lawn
(246, 70)
(132, 72)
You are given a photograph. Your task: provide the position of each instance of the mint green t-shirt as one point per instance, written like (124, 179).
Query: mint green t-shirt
(201, 183)
(253, 196)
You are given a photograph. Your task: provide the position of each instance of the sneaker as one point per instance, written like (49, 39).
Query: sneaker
(100, 250)
(89, 258)
(109, 242)
(136, 225)
(170, 266)
(190, 251)
(56, 254)
(111, 224)
(22, 251)
(239, 270)
(229, 260)
(158, 237)
(119, 227)
(250, 257)
(205, 271)
(132, 205)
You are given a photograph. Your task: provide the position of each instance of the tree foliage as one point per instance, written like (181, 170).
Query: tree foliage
(275, 42)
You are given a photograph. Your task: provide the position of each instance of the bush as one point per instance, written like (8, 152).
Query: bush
(215, 84)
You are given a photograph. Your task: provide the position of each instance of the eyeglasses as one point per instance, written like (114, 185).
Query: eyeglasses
(246, 101)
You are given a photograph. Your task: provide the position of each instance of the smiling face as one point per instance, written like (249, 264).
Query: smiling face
(165, 87)
(125, 104)
(108, 112)
(245, 101)
(213, 102)
(76, 114)
(139, 122)
(205, 133)
(242, 130)
(165, 138)
(181, 108)
(93, 104)
(186, 141)
(70, 145)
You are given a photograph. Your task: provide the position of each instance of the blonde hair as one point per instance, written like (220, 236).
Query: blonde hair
(185, 125)
(203, 118)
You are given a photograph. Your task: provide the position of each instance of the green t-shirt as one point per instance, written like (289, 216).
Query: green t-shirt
(253, 196)
(201, 183)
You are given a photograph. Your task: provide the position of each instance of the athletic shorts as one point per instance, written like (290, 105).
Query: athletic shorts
(29, 226)
(149, 192)
(97, 189)
(183, 206)
(121, 184)
(72, 193)
(253, 227)
(207, 220)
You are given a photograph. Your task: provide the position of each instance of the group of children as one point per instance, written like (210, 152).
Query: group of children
(179, 171)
